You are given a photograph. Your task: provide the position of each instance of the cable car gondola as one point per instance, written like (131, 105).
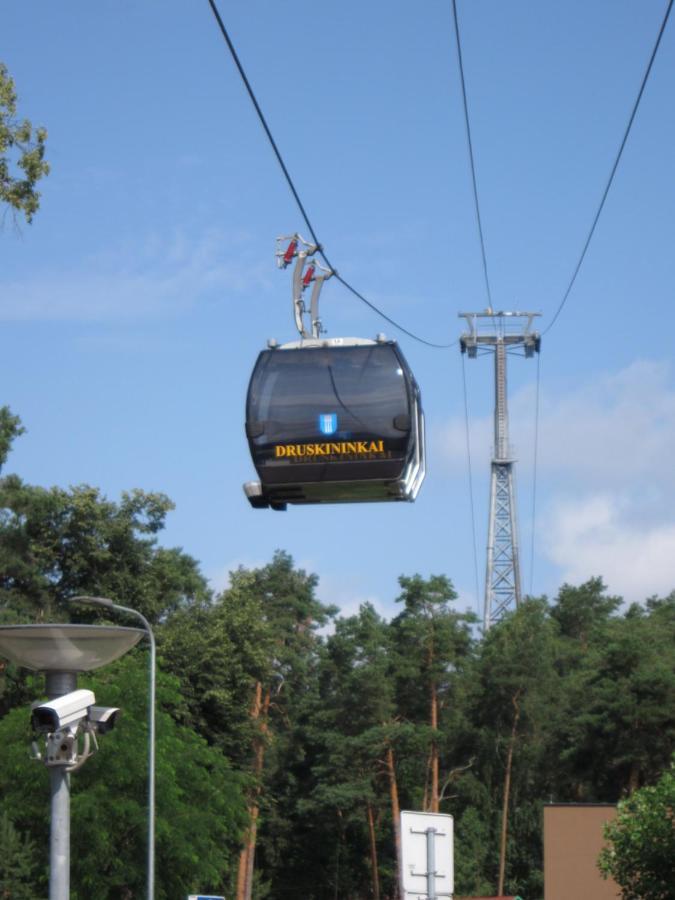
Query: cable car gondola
(335, 420)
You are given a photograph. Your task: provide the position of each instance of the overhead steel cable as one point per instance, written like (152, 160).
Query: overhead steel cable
(534, 470)
(296, 196)
(472, 162)
(614, 168)
(379, 312)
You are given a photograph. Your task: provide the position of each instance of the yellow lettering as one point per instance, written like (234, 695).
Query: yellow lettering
(341, 448)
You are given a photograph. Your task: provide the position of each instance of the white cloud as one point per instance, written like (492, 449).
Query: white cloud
(156, 276)
(605, 473)
(596, 535)
(616, 428)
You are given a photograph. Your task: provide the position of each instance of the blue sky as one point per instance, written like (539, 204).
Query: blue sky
(132, 310)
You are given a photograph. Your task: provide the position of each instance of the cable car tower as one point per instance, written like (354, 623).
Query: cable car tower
(501, 333)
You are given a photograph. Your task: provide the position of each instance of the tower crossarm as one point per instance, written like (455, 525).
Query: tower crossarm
(491, 328)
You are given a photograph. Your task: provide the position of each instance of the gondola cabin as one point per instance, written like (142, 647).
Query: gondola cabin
(334, 421)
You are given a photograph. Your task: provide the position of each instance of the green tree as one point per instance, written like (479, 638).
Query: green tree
(220, 650)
(279, 708)
(640, 855)
(354, 727)
(248, 666)
(10, 428)
(200, 803)
(56, 543)
(432, 643)
(18, 879)
(619, 731)
(581, 611)
(516, 687)
(583, 614)
(22, 150)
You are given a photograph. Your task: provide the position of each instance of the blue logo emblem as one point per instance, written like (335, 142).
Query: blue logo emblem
(328, 423)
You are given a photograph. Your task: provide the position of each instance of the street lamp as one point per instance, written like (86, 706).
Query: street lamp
(62, 652)
(108, 604)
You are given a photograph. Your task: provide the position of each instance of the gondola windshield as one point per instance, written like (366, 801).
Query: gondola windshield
(346, 393)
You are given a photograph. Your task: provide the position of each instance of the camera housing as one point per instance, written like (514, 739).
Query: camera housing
(103, 718)
(62, 712)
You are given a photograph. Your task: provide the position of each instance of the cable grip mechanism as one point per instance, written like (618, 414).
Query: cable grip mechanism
(301, 250)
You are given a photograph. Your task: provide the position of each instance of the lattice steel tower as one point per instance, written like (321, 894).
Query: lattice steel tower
(501, 333)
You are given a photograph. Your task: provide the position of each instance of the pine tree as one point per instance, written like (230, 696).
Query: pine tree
(17, 863)
(354, 774)
(432, 642)
(516, 687)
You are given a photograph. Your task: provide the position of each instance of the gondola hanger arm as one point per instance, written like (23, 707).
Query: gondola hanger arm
(300, 249)
(324, 274)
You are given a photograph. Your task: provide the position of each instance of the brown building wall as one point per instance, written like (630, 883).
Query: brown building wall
(572, 842)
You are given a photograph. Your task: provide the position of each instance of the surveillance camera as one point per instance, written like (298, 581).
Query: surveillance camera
(57, 714)
(103, 718)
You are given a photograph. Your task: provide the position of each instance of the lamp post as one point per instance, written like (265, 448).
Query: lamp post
(62, 652)
(108, 604)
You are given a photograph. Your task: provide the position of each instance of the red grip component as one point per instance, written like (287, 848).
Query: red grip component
(308, 276)
(290, 252)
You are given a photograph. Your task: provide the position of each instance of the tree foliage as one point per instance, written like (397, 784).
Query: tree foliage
(289, 739)
(10, 428)
(22, 151)
(352, 725)
(57, 543)
(200, 808)
(18, 862)
(616, 729)
(640, 855)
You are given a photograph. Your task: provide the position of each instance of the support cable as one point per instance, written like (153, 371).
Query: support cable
(534, 470)
(471, 157)
(296, 196)
(469, 467)
(614, 168)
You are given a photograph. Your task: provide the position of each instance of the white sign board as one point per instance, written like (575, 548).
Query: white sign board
(428, 860)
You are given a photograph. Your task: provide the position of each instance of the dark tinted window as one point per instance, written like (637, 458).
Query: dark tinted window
(346, 391)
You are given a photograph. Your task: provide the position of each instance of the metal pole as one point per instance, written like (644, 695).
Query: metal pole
(59, 847)
(58, 684)
(431, 864)
(108, 604)
(501, 424)
(151, 750)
